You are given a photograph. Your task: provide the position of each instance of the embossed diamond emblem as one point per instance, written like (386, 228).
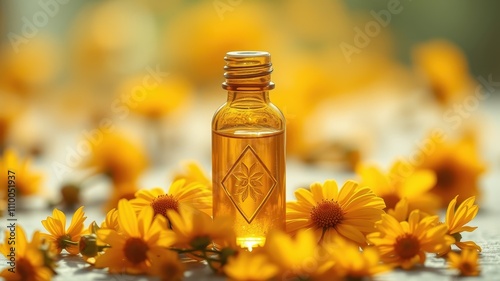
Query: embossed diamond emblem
(248, 184)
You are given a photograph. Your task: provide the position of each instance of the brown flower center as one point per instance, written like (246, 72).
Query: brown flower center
(466, 267)
(162, 203)
(62, 242)
(407, 246)
(172, 271)
(327, 214)
(445, 177)
(135, 250)
(25, 269)
(390, 201)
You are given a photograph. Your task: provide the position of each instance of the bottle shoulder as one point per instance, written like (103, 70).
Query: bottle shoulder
(264, 117)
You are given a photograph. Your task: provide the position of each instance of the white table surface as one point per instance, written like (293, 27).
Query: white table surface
(488, 220)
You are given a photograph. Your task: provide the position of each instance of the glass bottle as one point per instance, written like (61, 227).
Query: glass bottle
(248, 150)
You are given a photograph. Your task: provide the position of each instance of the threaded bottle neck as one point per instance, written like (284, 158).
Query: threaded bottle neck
(248, 71)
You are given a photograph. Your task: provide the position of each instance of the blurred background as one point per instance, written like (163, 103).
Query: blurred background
(125, 88)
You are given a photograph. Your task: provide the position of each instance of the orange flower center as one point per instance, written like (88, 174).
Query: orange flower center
(25, 269)
(172, 271)
(407, 246)
(162, 203)
(135, 250)
(466, 268)
(445, 177)
(327, 214)
(390, 201)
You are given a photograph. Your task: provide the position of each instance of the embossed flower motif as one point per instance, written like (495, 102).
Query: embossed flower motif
(248, 182)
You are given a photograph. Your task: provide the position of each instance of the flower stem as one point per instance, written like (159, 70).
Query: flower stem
(69, 242)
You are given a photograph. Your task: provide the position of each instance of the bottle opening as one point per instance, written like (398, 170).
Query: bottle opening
(248, 70)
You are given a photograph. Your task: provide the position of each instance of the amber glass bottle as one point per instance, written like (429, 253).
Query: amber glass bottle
(248, 150)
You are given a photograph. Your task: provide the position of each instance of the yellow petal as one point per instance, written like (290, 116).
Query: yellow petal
(76, 226)
(306, 197)
(330, 190)
(127, 219)
(418, 183)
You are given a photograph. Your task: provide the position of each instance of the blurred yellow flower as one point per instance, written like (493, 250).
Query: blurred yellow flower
(165, 265)
(350, 212)
(404, 243)
(158, 98)
(456, 220)
(466, 263)
(111, 38)
(352, 264)
(118, 157)
(29, 260)
(60, 237)
(192, 195)
(298, 256)
(28, 69)
(457, 167)
(192, 173)
(393, 186)
(141, 235)
(195, 229)
(11, 107)
(445, 69)
(111, 220)
(220, 32)
(121, 190)
(27, 182)
(253, 266)
(400, 211)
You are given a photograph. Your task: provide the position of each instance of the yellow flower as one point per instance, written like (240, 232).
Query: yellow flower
(404, 243)
(111, 220)
(29, 260)
(32, 72)
(121, 190)
(179, 195)
(232, 33)
(456, 221)
(193, 173)
(25, 180)
(253, 266)
(61, 238)
(118, 157)
(299, 256)
(350, 212)
(197, 230)
(166, 265)
(141, 235)
(466, 262)
(457, 167)
(394, 186)
(401, 211)
(445, 68)
(352, 264)
(161, 98)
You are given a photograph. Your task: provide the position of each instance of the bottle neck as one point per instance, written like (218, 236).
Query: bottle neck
(248, 99)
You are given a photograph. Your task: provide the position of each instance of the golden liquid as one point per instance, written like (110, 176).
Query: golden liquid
(249, 182)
